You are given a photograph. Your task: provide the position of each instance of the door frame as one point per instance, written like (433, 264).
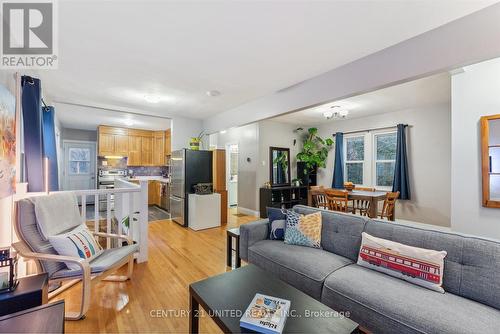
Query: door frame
(228, 169)
(64, 162)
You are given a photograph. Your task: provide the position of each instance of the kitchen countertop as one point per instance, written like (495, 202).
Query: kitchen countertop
(148, 178)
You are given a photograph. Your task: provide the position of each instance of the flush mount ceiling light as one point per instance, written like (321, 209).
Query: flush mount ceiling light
(213, 93)
(336, 112)
(152, 98)
(222, 132)
(328, 114)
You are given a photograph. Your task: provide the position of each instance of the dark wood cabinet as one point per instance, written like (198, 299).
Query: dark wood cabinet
(281, 197)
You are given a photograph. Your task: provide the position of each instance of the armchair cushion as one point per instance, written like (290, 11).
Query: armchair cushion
(79, 242)
(106, 260)
(56, 213)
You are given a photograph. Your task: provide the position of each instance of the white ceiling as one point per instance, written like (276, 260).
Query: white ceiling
(85, 118)
(416, 94)
(114, 52)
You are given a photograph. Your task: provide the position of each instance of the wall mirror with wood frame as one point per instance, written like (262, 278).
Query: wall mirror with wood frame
(279, 166)
(490, 153)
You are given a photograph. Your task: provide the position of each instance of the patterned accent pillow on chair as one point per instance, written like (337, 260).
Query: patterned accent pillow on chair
(303, 230)
(277, 222)
(79, 243)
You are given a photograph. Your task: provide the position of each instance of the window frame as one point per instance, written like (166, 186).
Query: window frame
(363, 162)
(370, 157)
(374, 158)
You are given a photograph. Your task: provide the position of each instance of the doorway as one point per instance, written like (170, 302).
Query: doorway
(79, 165)
(232, 174)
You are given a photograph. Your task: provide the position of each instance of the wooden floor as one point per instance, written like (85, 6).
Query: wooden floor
(177, 257)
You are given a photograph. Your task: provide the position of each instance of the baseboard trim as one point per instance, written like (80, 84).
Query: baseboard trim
(249, 212)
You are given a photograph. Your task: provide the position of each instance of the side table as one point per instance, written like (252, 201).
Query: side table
(233, 233)
(30, 292)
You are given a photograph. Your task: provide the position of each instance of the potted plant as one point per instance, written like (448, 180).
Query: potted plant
(195, 142)
(314, 151)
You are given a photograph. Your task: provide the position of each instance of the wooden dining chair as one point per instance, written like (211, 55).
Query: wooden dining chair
(319, 199)
(337, 200)
(389, 205)
(362, 205)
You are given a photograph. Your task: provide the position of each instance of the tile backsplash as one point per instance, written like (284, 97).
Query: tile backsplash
(103, 163)
(148, 171)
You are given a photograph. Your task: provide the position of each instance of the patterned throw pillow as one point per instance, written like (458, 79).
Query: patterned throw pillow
(419, 266)
(303, 230)
(277, 222)
(79, 243)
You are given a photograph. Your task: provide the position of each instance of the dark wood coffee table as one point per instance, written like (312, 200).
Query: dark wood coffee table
(225, 297)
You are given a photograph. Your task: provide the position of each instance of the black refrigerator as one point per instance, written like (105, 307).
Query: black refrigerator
(188, 168)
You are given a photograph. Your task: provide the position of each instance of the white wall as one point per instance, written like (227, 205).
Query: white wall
(247, 138)
(461, 42)
(475, 93)
(429, 150)
(272, 133)
(182, 130)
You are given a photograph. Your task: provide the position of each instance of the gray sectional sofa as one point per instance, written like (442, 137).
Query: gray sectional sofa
(378, 302)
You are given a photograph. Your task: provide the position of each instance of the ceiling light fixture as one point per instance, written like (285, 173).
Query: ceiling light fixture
(152, 98)
(222, 132)
(336, 112)
(213, 93)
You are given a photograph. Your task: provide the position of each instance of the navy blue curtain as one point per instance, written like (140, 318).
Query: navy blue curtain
(401, 181)
(338, 167)
(49, 146)
(32, 129)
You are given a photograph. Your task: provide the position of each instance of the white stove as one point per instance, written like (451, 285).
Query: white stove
(106, 180)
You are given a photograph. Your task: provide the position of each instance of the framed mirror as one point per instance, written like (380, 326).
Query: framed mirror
(279, 162)
(490, 153)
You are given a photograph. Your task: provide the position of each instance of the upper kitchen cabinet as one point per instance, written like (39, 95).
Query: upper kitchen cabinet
(141, 147)
(159, 148)
(113, 141)
(134, 150)
(147, 151)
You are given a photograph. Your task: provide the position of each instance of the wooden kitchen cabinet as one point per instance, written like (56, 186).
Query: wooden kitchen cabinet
(134, 151)
(106, 144)
(159, 148)
(147, 151)
(154, 193)
(142, 147)
(112, 141)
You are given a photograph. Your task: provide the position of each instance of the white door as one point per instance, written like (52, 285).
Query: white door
(79, 165)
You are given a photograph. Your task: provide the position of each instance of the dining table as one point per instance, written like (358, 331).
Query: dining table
(372, 196)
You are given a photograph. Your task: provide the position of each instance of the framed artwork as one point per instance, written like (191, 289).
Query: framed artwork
(7, 143)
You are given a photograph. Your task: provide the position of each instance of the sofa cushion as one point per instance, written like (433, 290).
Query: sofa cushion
(385, 304)
(102, 262)
(471, 267)
(303, 267)
(340, 232)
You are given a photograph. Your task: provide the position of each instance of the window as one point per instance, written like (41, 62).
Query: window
(355, 156)
(79, 160)
(385, 159)
(370, 159)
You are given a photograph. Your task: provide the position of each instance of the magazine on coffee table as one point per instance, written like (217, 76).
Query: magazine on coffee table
(266, 314)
